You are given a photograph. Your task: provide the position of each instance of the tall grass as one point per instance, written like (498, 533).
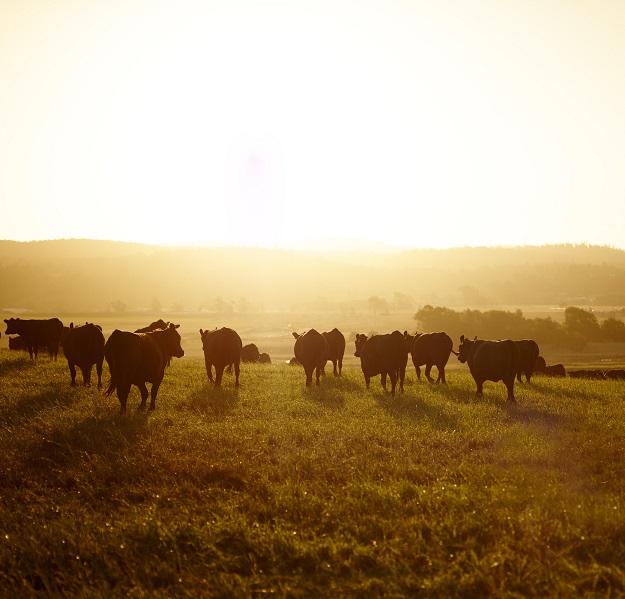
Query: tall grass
(299, 492)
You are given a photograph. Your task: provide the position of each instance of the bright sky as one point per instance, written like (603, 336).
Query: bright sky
(424, 123)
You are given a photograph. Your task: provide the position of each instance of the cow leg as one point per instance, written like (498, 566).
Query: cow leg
(86, 375)
(219, 373)
(153, 393)
(418, 371)
(367, 380)
(336, 372)
(209, 370)
(428, 369)
(383, 380)
(402, 376)
(393, 376)
(144, 394)
(98, 368)
(340, 367)
(123, 389)
(479, 384)
(441, 375)
(237, 370)
(309, 373)
(510, 387)
(31, 351)
(318, 374)
(72, 372)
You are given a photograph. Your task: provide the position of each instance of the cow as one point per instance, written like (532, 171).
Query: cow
(83, 346)
(250, 353)
(140, 358)
(264, 358)
(528, 354)
(555, 370)
(586, 374)
(384, 355)
(617, 374)
(336, 348)
(159, 324)
(429, 349)
(491, 361)
(37, 333)
(312, 352)
(222, 347)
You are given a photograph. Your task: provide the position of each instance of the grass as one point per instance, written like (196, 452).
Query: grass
(275, 488)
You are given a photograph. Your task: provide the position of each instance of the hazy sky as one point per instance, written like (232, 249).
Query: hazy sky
(425, 123)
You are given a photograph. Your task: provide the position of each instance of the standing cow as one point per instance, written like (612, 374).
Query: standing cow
(336, 348)
(312, 351)
(429, 349)
(140, 358)
(491, 361)
(528, 358)
(37, 333)
(222, 347)
(84, 347)
(384, 355)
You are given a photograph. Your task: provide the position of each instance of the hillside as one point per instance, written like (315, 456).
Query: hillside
(92, 275)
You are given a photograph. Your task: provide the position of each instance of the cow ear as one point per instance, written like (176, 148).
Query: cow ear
(295, 335)
(475, 338)
(461, 338)
(176, 326)
(71, 325)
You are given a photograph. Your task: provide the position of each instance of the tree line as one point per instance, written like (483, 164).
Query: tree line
(579, 327)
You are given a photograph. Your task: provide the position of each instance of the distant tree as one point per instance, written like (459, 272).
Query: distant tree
(401, 301)
(613, 329)
(377, 305)
(582, 322)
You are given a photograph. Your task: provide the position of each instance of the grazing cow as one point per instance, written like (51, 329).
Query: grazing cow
(555, 370)
(384, 355)
(250, 353)
(312, 351)
(37, 333)
(540, 364)
(491, 361)
(293, 362)
(84, 347)
(528, 354)
(140, 358)
(586, 374)
(222, 347)
(264, 358)
(336, 348)
(618, 374)
(429, 349)
(17, 343)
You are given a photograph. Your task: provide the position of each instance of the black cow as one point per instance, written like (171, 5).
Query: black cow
(555, 370)
(491, 361)
(37, 333)
(528, 355)
(384, 355)
(615, 374)
(312, 352)
(586, 374)
(222, 347)
(159, 324)
(429, 349)
(264, 358)
(250, 353)
(83, 346)
(336, 348)
(140, 358)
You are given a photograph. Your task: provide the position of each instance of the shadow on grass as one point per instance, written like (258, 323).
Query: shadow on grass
(409, 406)
(328, 396)
(216, 401)
(29, 406)
(13, 364)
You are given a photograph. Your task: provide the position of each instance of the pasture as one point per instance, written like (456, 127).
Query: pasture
(275, 488)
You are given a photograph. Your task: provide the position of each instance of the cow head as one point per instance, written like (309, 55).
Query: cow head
(409, 339)
(464, 348)
(173, 341)
(360, 342)
(12, 326)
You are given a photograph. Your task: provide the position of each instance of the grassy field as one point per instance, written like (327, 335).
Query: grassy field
(275, 488)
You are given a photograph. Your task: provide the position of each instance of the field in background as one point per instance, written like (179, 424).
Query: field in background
(275, 488)
(271, 332)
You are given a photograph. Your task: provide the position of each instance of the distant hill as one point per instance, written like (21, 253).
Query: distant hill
(94, 275)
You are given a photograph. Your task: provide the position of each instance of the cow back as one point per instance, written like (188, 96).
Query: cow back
(384, 353)
(431, 348)
(221, 346)
(311, 349)
(494, 360)
(336, 344)
(84, 344)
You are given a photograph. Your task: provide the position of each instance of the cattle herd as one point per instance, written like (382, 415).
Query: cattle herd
(140, 357)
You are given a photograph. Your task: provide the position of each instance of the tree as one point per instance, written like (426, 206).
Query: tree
(582, 322)
(613, 329)
(118, 306)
